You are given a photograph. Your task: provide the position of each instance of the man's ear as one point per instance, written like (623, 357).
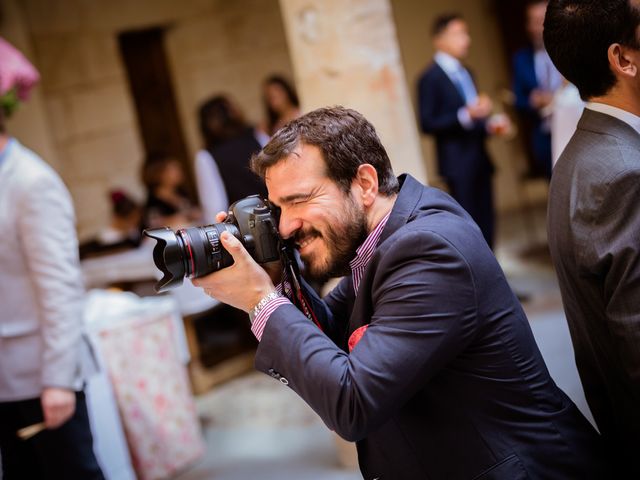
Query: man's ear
(621, 61)
(367, 182)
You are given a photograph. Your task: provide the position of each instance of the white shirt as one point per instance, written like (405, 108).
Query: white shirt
(627, 117)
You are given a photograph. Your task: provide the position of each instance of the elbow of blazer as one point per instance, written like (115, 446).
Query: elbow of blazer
(351, 433)
(355, 426)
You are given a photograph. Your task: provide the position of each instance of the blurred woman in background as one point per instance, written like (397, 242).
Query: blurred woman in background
(280, 102)
(222, 168)
(168, 202)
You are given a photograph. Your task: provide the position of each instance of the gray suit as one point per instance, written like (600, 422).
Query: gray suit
(594, 237)
(41, 288)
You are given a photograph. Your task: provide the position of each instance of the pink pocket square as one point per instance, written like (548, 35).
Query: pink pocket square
(356, 336)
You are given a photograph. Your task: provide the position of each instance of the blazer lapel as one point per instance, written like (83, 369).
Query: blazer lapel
(408, 197)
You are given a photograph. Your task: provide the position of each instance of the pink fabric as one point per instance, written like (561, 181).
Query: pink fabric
(154, 397)
(356, 336)
(16, 71)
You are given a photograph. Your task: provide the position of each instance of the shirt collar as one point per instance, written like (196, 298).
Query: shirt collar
(365, 251)
(448, 63)
(627, 117)
(4, 153)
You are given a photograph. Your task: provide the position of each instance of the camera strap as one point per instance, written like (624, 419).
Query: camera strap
(292, 278)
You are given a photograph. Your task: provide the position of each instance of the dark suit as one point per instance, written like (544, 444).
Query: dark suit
(462, 157)
(447, 382)
(594, 236)
(524, 82)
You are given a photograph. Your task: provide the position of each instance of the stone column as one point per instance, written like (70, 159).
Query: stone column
(346, 53)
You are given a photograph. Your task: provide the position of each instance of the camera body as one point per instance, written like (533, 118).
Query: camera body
(197, 251)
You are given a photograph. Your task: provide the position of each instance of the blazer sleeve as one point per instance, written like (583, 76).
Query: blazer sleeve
(417, 326)
(46, 227)
(615, 252)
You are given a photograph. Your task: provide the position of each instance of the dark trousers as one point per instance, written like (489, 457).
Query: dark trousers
(63, 453)
(475, 195)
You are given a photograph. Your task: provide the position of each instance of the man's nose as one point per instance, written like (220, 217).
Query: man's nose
(288, 225)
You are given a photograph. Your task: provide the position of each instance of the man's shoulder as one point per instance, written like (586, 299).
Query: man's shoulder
(33, 170)
(431, 72)
(599, 154)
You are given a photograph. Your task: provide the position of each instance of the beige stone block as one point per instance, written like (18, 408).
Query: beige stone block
(72, 60)
(100, 107)
(102, 156)
(92, 206)
(102, 57)
(60, 60)
(53, 16)
(58, 112)
(119, 15)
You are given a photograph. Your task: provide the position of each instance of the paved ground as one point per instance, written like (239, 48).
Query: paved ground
(258, 429)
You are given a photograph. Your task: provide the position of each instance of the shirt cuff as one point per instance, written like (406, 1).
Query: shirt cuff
(260, 322)
(465, 118)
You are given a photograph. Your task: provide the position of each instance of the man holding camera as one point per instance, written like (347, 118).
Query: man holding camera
(423, 356)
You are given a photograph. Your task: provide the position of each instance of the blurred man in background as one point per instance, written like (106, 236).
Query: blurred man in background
(535, 81)
(452, 110)
(594, 211)
(43, 355)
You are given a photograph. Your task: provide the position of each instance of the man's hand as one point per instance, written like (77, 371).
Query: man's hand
(241, 285)
(58, 405)
(482, 108)
(540, 99)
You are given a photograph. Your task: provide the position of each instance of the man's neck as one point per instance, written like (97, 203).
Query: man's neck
(619, 99)
(380, 208)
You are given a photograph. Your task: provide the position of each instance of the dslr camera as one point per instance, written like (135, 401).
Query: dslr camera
(197, 251)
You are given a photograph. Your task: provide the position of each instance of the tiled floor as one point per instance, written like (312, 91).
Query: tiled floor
(258, 429)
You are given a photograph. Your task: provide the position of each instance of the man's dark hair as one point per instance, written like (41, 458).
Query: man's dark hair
(441, 22)
(346, 140)
(577, 36)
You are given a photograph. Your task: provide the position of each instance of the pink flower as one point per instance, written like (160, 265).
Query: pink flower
(16, 71)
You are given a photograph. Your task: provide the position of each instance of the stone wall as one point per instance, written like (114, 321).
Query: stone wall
(212, 46)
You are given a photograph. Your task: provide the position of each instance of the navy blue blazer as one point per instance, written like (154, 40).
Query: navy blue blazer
(461, 152)
(447, 381)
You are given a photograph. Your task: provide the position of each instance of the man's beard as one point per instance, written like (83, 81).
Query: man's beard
(341, 240)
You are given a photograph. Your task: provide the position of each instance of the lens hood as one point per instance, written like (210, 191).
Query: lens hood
(168, 255)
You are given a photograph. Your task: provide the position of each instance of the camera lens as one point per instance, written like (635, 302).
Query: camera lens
(190, 252)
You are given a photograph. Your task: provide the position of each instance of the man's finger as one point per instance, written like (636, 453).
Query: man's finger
(234, 247)
(221, 216)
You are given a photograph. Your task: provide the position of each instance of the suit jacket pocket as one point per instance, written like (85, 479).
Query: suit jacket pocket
(509, 468)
